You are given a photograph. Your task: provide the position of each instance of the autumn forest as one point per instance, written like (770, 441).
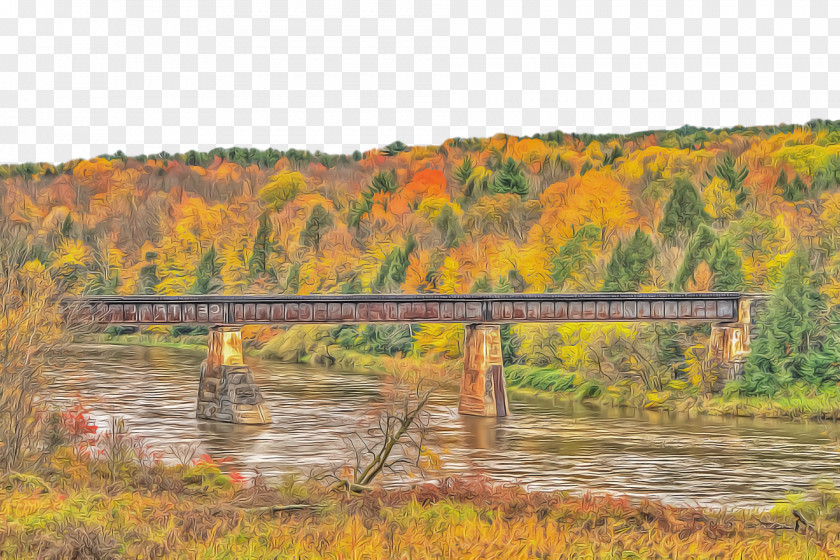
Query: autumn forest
(684, 210)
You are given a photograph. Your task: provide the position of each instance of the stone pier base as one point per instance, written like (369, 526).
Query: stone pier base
(483, 384)
(226, 390)
(729, 343)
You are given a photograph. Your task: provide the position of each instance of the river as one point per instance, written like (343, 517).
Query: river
(710, 461)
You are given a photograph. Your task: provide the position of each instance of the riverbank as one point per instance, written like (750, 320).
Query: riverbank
(122, 503)
(193, 343)
(407, 368)
(799, 402)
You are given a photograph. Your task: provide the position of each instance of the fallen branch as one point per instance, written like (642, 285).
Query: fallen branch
(352, 487)
(800, 518)
(279, 509)
(773, 525)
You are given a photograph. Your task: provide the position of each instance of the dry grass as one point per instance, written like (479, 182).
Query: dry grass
(106, 496)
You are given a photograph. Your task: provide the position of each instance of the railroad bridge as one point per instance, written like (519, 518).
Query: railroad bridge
(227, 391)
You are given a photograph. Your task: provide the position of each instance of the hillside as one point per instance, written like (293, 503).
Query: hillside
(690, 209)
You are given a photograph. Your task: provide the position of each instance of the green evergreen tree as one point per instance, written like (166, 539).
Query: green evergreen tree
(719, 253)
(463, 171)
(262, 246)
(386, 339)
(781, 183)
(795, 191)
(576, 253)
(383, 182)
(207, 274)
(481, 285)
(148, 277)
(510, 345)
(794, 340)
(318, 223)
(394, 148)
(66, 226)
(734, 177)
(826, 176)
(629, 263)
(698, 250)
(610, 158)
(351, 284)
(517, 281)
(510, 179)
(449, 227)
(101, 286)
(292, 279)
(683, 212)
(392, 271)
(726, 266)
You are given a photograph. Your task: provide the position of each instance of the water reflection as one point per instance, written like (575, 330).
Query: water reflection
(481, 433)
(545, 444)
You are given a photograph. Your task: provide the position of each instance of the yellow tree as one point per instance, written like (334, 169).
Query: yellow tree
(281, 188)
(32, 334)
(595, 198)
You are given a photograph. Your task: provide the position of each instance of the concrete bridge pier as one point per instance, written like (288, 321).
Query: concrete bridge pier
(729, 343)
(483, 384)
(226, 390)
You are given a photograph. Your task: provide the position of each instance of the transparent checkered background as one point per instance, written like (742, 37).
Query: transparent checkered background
(82, 78)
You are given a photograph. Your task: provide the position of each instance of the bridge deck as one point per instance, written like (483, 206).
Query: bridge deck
(401, 308)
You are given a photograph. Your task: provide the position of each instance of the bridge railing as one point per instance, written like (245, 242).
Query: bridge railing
(400, 308)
